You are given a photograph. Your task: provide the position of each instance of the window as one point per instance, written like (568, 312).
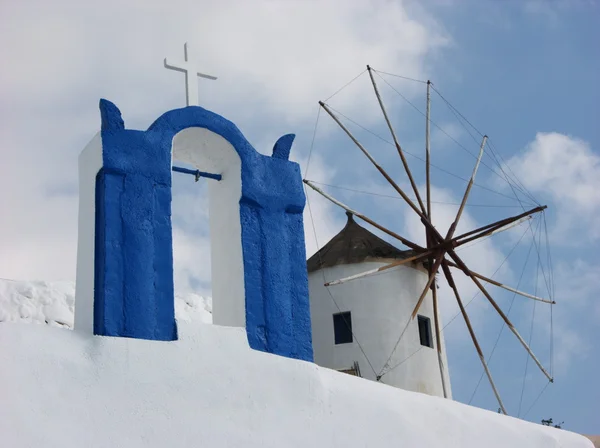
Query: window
(425, 331)
(342, 328)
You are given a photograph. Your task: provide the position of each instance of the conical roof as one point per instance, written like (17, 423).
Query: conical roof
(354, 244)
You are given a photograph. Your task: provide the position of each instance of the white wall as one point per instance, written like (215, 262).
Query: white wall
(381, 306)
(211, 153)
(61, 388)
(90, 162)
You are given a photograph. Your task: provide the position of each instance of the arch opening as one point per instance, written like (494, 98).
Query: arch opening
(207, 151)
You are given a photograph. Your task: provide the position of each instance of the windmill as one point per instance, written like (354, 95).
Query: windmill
(440, 252)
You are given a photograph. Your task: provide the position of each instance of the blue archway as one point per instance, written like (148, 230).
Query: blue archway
(133, 294)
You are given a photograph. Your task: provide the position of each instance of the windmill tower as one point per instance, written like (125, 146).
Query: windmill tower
(357, 331)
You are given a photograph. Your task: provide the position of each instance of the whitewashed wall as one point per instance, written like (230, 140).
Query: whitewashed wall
(380, 306)
(64, 389)
(90, 162)
(210, 152)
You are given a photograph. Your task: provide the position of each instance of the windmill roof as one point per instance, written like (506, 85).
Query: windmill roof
(354, 244)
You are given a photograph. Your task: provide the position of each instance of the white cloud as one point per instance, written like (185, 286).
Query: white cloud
(191, 262)
(577, 283)
(274, 61)
(565, 170)
(281, 55)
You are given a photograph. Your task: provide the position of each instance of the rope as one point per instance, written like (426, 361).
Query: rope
(386, 364)
(399, 76)
(516, 180)
(420, 158)
(346, 85)
(414, 199)
(536, 400)
(551, 341)
(312, 143)
(354, 338)
(537, 273)
(533, 236)
(552, 296)
(456, 112)
(442, 130)
(503, 323)
(549, 256)
(542, 266)
(492, 155)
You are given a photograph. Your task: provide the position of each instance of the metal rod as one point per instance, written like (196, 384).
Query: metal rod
(438, 262)
(398, 147)
(196, 173)
(450, 280)
(475, 280)
(376, 271)
(496, 225)
(438, 339)
(364, 218)
(501, 285)
(467, 191)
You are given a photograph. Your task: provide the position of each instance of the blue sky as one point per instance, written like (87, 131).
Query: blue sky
(522, 72)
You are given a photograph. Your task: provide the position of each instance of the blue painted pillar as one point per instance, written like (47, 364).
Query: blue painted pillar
(277, 304)
(133, 293)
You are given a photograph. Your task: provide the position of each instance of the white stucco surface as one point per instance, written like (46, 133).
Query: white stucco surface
(62, 388)
(90, 163)
(53, 303)
(381, 306)
(210, 152)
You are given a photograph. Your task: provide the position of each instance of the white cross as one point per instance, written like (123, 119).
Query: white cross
(191, 84)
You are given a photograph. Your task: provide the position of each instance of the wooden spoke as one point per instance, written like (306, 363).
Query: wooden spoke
(450, 280)
(467, 191)
(438, 339)
(495, 226)
(438, 262)
(398, 147)
(509, 324)
(436, 317)
(499, 229)
(364, 218)
(501, 285)
(378, 270)
(427, 155)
